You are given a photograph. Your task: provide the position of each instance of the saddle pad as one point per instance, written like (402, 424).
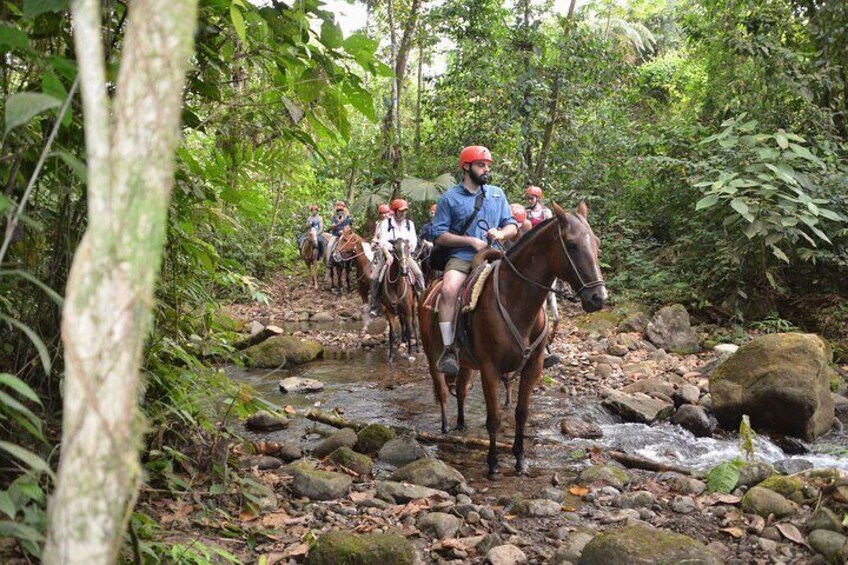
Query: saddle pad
(432, 300)
(474, 286)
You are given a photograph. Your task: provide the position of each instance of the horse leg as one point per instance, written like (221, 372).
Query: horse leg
(490, 377)
(463, 378)
(508, 390)
(529, 376)
(392, 336)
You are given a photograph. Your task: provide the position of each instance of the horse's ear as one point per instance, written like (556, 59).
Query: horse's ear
(561, 214)
(583, 209)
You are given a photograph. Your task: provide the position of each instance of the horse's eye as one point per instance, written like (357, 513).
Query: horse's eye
(571, 246)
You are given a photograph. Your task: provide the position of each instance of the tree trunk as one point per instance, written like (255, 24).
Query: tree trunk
(418, 93)
(109, 295)
(525, 110)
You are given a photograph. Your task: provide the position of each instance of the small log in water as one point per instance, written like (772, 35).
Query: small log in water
(636, 462)
(339, 422)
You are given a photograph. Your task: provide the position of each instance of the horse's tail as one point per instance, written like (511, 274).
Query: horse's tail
(485, 256)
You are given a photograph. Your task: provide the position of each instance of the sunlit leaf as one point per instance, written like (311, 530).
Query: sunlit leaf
(707, 201)
(21, 107)
(33, 8)
(13, 37)
(32, 460)
(238, 22)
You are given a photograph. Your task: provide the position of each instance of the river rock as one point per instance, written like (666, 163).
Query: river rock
(782, 381)
(617, 349)
(824, 518)
(293, 385)
(571, 549)
(400, 451)
(784, 486)
(725, 350)
(488, 542)
(639, 544)
(636, 499)
(289, 452)
(373, 437)
(687, 485)
(613, 476)
(575, 427)
(319, 485)
(633, 408)
(349, 459)
(792, 465)
(606, 360)
(262, 462)
(683, 504)
(651, 386)
(439, 525)
(670, 330)
(264, 421)
(334, 548)
(603, 371)
(762, 501)
(505, 555)
(830, 544)
(283, 351)
(431, 473)
(635, 322)
(322, 317)
(537, 508)
(694, 419)
(255, 328)
(344, 437)
(401, 493)
(686, 394)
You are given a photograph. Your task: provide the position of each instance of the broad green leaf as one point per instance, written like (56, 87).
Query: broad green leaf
(310, 85)
(820, 233)
(238, 22)
(16, 407)
(32, 460)
(19, 386)
(743, 183)
(33, 8)
(7, 505)
(802, 151)
(729, 141)
(740, 207)
(723, 478)
(52, 294)
(331, 34)
(779, 254)
(78, 167)
(359, 45)
(781, 139)
(707, 202)
(382, 69)
(360, 99)
(20, 531)
(33, 337)
(21, 107)
(13, 37)
(831, 215)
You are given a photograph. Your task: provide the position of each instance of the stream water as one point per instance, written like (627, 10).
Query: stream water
(362, 386)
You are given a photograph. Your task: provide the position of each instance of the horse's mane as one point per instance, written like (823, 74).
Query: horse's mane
(530, 235)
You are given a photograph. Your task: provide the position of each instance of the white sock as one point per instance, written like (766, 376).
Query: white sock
(447, 332)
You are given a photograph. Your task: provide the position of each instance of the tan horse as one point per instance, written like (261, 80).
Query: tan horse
(398, 298)
(310, 252)
(507, 329)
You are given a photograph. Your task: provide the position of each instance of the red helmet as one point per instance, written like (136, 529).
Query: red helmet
(400, 204)
(340, 205)
(474, 153)
(314, 207)
(518, 212)
(433, 208)
(383, 209)
(534, 191)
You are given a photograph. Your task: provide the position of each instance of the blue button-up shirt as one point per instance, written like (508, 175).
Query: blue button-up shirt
(456, 206)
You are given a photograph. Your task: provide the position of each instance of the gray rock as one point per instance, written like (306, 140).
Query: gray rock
(429, 473)
(688, 485)
(792, 466)
(264, 421)
(613, 476)
(439, 525)
(322, 317)
(571, 548)
(262, 462)
(255, 328)
(694, 419)
(762, 501)
(487, 513)
(824, 518)
(670, 330)
(606, 360)
(754, 473)
(767, 545)
(537, 508)
(283, 351)
(401, 493)
(651, 386)
(319, 485)
(575, 427)
(488, 542)
(633, 408)
(603, 371)
(473, 517)
(400, 451)
(345, 437)
(289, 452)
(686, 394)
(633, 369)
(828, 543)
(636, 499)
(333, 548)
(683, 504)
(635, 322)
(293, 385)
(639, 544)
(349, 459)
(617, 349)
(505, 555)
(725, 350)
(550, 493)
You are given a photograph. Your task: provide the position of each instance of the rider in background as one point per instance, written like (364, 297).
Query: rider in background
(315, 222)
(536, 211)
(340, 220)
(383, 212)
(519, 214)
(394, 226)
(426, 232)
(493, 222)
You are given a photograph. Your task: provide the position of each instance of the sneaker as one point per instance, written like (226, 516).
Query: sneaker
(447, 362)
(373, 313)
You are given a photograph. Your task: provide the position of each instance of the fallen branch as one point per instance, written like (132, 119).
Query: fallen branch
(339, 422)
(636, 462)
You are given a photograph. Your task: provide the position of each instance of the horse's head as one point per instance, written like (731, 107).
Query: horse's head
(347, 243)
(312, 234)
(575, 260)
(401, 251)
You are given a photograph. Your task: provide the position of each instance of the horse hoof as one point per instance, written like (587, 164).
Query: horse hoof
(461, 427)
(445, 430)
(494, 475)
(522, 468)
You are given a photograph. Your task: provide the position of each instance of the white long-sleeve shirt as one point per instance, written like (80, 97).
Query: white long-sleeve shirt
(389, 229)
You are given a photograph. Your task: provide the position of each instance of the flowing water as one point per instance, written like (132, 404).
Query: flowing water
(362, 386)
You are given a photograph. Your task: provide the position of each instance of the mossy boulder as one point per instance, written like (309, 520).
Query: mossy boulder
(373, 437)
(598, 322)
(762, 501)
(346, 548)
(782, 485)
(319, 485)
(283, 351)
(781, 381)
(613, 476)
(349, 459)
(430, 473)
(641, 545)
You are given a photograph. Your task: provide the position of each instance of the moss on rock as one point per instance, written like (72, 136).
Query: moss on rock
(373, 437)
(641, 545)
(346, 548)
(785, 486)
(600, 322)
(349, 459)
(283, 351)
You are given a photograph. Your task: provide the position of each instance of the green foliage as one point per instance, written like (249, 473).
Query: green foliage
(746, 438)
(724, 476)
(773, 324)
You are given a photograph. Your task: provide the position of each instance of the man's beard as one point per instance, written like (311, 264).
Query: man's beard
(480, 180)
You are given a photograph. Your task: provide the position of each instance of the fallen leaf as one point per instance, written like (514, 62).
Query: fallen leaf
(289, 409)
(181, 513)
(274, 558)
(578, 491)
(297, 550)
(735, 532)
(275, 519)
(791, 533)
(360, 496)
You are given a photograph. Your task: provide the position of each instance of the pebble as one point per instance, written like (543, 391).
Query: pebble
(487, 513)
(473, 517)
(683, 504)
(768, 545)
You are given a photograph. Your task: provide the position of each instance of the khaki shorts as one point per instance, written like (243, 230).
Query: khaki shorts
(457, 264)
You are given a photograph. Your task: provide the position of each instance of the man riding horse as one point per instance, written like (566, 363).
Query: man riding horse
(395, 226)
(492, 221)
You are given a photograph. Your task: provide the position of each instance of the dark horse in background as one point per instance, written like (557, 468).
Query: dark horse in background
(352, 248)
(506, 331)
(422, 255)
(311, 252)
(340, 265)
(397, 295)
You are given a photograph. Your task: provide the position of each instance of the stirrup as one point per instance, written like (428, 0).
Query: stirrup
(447, 362)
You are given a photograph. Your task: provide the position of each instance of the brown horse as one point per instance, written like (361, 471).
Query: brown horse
(506, 331)
(397, 295)
(310, 252)
(351, 247)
